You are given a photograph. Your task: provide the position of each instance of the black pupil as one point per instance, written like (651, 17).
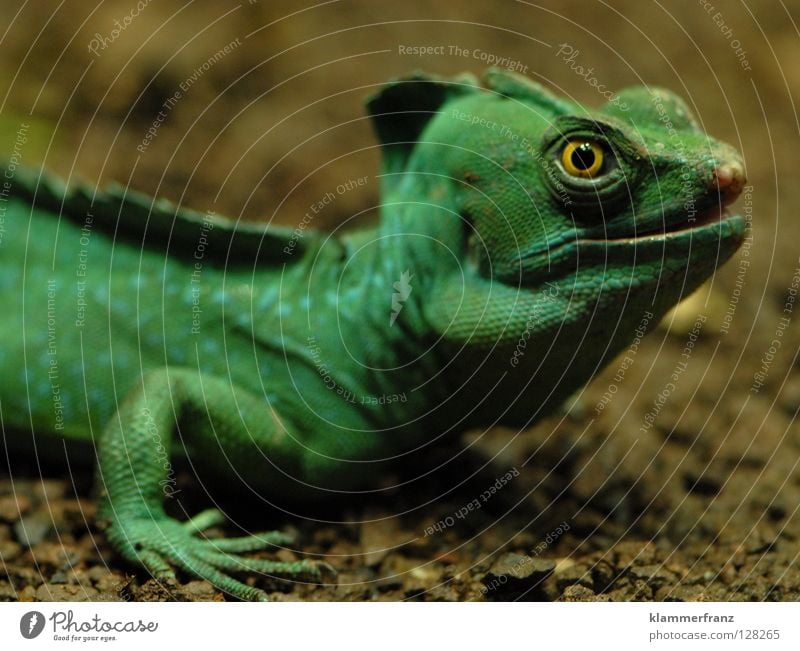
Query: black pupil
(583, 156)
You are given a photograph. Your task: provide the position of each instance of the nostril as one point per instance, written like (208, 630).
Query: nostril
(730, 180)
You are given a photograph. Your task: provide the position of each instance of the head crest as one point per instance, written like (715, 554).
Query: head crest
(402, 107)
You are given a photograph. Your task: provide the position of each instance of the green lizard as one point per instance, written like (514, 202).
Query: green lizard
(522, 237)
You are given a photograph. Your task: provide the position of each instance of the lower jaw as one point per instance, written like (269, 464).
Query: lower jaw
(724, 231)
(708, 244)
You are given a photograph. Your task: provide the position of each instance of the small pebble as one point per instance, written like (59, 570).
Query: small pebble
(33, 529)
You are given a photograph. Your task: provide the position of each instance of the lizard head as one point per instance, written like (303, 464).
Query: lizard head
(614, 210)
(636, 185)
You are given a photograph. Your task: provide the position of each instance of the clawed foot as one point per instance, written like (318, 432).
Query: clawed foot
(159, 543)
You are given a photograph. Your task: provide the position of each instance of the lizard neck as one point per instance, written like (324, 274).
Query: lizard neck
(373, 315)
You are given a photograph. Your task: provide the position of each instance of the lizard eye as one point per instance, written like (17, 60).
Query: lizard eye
(587, 165)
(584, 159)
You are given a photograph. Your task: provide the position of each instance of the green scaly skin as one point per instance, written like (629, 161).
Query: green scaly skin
(282, 363)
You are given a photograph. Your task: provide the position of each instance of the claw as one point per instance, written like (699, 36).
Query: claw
(156, 543)
(326, 569)
(293, 570)
(253, 543)
(205, 520)
(157, 566)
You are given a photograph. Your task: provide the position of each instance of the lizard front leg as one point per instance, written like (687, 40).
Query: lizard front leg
(217, 421)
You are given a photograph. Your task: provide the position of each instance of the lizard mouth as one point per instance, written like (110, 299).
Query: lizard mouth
(712, 228)
(713, 232)
(711, 216)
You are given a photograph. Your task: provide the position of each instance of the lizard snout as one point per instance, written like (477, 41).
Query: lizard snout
(729, 179)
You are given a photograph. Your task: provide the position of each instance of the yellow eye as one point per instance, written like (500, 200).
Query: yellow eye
(582, 158)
